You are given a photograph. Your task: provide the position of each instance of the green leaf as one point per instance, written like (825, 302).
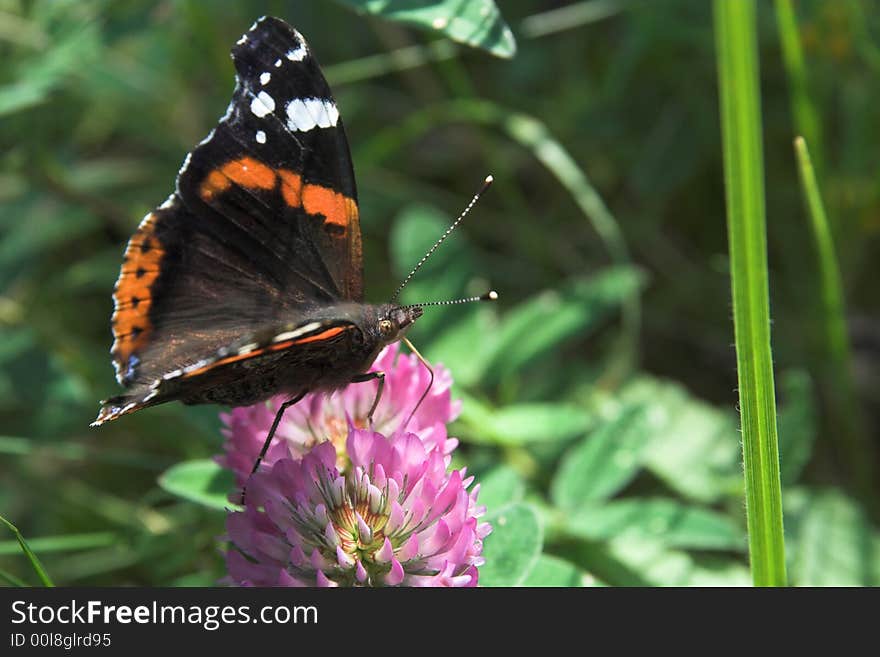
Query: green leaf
(553, 571)
(513, 547)
(658, 565)
(201, 481)
(462, 344)
(532, 423)
(797, 425)
(31, 556)
(694, 447)
(476, 23)
(663, 521)
(603, 463)
(831, 540)
(71, 50)
(500, 486)
(541, 324)
(522, 424)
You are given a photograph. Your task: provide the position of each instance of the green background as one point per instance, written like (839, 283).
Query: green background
(599, 392)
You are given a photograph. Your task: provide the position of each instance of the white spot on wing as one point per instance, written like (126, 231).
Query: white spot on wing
(297, 54)
(277, 63)
(263, 104)
(248, 348)
(265, 77)
(300, 52)
(261, 137)
(304, 114)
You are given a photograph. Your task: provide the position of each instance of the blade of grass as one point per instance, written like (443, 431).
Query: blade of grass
(11, 579)
(806, 118)
(839, 368)
(34, 561)
(64, 543)
(740, 100)
(570, 17)
(864, 43)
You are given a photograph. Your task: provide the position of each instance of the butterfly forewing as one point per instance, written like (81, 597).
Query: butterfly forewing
(263, 226)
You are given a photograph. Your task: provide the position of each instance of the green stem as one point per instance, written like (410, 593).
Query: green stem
(740, 100)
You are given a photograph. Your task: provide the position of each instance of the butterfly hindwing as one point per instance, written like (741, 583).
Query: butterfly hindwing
(249, 368)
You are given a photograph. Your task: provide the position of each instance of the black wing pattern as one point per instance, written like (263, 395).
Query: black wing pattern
(263, 224)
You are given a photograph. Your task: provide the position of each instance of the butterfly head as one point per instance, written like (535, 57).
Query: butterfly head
(395, 320)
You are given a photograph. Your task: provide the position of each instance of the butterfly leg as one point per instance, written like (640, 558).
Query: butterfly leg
(430, 382)
(268, 441)
(369, 376)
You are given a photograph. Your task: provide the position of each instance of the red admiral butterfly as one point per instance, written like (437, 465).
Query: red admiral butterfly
(247, 282)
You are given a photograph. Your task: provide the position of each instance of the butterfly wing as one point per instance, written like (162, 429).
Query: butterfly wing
(263, 225)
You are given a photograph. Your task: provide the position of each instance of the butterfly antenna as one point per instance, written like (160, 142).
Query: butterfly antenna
(483, 188)
(491, 295)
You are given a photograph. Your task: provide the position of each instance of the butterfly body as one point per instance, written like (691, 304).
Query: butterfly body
(247, 282)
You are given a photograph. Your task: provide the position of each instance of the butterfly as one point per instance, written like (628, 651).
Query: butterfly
(247, 281)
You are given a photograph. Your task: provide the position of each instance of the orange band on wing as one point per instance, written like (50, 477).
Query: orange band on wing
(323, 335)
(337, 209)
(132, 296)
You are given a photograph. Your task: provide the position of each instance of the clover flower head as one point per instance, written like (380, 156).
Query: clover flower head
(396, 517)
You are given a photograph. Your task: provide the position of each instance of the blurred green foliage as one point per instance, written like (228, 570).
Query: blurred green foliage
(599, 393)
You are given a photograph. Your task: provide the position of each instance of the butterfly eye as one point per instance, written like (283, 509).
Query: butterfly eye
(386, 327)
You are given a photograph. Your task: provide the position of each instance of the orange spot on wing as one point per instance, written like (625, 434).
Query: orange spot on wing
(250, 173)
(245, 172)
(291, 188)
(325, 201)
(215, 183)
